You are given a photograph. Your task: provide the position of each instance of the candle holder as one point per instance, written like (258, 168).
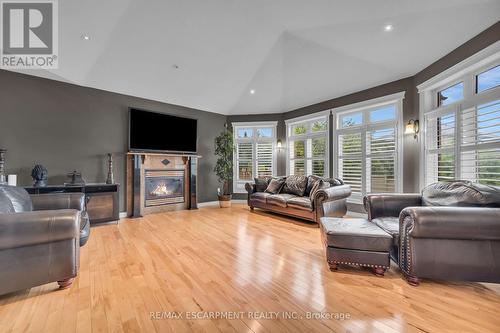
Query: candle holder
(111, 178)
(3, 178)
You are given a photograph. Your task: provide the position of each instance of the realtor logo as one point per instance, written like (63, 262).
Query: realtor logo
(29, 34)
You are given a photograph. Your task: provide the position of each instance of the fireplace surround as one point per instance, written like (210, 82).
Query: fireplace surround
(160, 182)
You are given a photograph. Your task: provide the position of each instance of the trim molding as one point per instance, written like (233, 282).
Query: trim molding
(481, 58)
(310, 116)
(216, 203)
(370, 103)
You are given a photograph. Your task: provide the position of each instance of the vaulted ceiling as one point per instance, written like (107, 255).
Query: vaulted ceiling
(292, 53)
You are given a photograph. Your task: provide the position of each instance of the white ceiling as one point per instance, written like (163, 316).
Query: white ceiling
(292, 52)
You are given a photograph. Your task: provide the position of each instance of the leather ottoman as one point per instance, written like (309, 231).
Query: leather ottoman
(355, 241)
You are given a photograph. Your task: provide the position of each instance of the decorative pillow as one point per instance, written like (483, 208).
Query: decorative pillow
(19, 198)
(295, 185)
(311, 180)
(275, 185)
(319, 185)
(261, 183)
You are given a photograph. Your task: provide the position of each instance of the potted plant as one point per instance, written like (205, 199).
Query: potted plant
(224, 148)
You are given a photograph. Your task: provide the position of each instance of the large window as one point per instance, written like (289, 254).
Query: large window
(308, 146)
(368, 146)
(462, 136)
(254, 155)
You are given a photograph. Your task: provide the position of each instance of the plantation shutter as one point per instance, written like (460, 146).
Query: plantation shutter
(264, 159)
(351, 161)
(480, 147)
(440, 146)
(381, 160)
(244, 160)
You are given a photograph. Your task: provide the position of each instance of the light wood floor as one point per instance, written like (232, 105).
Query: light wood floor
(238, 261)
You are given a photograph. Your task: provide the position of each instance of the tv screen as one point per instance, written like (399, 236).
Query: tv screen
(156, 132)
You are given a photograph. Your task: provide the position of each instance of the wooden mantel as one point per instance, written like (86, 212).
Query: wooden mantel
(137, 165)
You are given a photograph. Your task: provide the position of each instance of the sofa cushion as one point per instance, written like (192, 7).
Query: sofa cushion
(279, 199)
(19, 198)
(259, 197)
(261, 183)
(275, 185)
(311, 180)
(390, 225)
(354, 234)
(462, 194)
(5, 204)
(295, 185)
(303, 203)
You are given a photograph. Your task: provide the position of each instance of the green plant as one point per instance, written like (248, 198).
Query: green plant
(224, 147)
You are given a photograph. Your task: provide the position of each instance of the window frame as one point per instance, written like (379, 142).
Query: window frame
(365, 108)
(308, 120)
(239, 184)
(466, 71)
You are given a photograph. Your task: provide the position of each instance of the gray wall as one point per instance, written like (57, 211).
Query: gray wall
(67, 127)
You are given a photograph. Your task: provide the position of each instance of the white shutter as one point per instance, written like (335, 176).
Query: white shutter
(480, 149)
(440, 146)
(264, 159)
(381, 160)
(351, 161)
(244, 160)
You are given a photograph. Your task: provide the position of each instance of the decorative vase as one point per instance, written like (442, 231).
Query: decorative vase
(3, 178)
(225, 200)
(111, 178)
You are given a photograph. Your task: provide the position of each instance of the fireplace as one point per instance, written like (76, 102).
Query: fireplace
(163, 187)
(158, 183)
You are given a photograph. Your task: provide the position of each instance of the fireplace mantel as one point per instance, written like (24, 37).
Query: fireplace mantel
(144, 166)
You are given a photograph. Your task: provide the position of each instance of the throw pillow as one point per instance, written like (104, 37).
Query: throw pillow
(311, 180)
(295, 185)
(275, 185)
(261, 183)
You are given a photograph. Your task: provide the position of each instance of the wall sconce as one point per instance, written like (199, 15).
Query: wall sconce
(413, 127)
(279, 145)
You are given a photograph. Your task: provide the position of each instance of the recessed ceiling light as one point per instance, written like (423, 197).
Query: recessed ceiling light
(85, 37)
(252, 91)
(175, 66)
(388, 27)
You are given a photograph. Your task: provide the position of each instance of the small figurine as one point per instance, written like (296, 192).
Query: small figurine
(39, 175)
(75, 179)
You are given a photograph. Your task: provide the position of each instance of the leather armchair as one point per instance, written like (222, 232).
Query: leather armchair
(56, 201)
(451, 231)
(39, 238)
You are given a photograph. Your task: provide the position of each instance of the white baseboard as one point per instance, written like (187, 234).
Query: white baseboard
(123, 215)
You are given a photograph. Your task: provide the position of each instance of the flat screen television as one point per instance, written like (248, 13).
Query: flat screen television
(157, 132)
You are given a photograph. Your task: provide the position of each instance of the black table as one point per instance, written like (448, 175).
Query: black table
(102, 199)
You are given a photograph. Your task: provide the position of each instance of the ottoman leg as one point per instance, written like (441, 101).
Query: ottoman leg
(379, 271)
(333, 266)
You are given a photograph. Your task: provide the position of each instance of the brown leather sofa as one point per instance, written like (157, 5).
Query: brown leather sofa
(451, 231)
(327, 201)
(40, 238)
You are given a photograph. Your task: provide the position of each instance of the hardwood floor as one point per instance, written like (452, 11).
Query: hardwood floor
(252, 264)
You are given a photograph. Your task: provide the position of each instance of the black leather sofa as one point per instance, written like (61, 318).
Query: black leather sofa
(451, 231)
(40, 238)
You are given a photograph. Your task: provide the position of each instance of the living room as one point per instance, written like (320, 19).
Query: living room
(250, 166)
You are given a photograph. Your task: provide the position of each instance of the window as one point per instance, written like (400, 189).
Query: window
(488, 79)
(462, 138)
(254, 155)
(308, 146)
(368, 145)
(451, 94)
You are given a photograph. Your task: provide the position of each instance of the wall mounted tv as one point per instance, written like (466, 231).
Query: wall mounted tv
(157, 132)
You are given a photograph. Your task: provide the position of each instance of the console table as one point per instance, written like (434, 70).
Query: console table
(102, 200)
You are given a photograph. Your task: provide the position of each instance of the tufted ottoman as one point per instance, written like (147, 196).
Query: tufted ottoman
(355, 241)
